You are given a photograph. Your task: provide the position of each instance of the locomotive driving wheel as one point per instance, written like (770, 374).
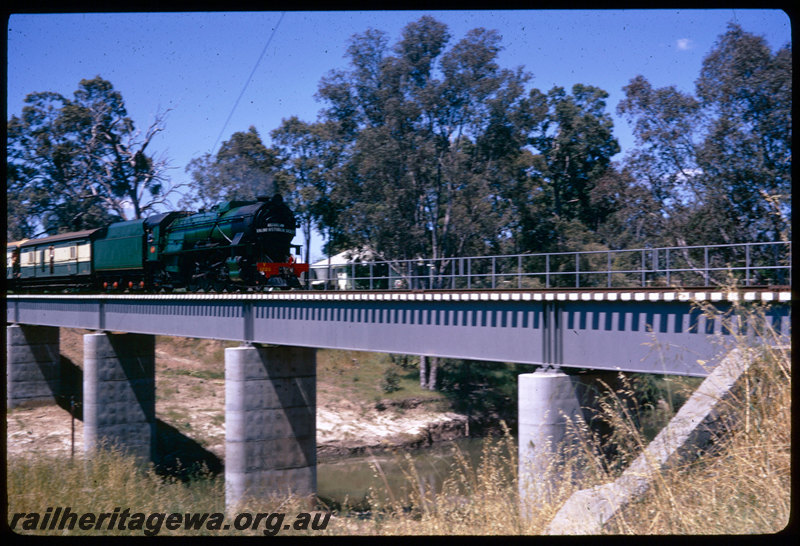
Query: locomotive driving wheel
(217, 286)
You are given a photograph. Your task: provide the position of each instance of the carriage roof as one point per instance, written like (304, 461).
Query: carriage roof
(76, 235)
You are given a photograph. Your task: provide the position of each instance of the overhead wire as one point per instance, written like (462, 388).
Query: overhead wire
(247, 82)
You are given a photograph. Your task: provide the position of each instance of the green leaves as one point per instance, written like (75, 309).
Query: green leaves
(79, 163)
(427, 149)
(718, 164)
(411, 181)
(242, 169)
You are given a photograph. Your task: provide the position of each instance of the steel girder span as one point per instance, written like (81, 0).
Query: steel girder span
(654, 332)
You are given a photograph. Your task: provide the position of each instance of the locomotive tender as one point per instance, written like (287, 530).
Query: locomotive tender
(238, 245)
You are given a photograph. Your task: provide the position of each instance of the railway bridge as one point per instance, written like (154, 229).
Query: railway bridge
(559, 313)
(270, 380)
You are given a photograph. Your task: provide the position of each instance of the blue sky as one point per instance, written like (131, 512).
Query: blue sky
(197, 64)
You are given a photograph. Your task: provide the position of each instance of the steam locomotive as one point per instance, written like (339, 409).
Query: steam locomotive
(236, 246)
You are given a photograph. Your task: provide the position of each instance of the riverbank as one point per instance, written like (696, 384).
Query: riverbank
(342, 429)
(345, 429)
(354, 415)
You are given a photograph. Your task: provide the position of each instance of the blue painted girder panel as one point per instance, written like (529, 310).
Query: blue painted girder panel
(643, 336)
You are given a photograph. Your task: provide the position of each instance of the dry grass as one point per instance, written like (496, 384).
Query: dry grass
(112, 480)
(741, 485)
(109, 480)
(463, 505)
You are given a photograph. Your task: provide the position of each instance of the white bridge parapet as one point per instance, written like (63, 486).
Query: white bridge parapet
(700, 295)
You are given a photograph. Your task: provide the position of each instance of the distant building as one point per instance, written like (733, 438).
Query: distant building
(339, 272)
(364, 269)
(331, 273)
(354, 269)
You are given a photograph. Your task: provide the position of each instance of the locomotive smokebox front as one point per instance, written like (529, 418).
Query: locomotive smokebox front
(275, 226)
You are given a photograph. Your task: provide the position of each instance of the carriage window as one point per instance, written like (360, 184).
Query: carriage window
(72, 250)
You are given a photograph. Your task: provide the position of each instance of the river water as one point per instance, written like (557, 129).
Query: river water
(349, 480)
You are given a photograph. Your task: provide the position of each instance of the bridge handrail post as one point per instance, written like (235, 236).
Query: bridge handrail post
(777, 263)
(667, 266)
(789, 264)
(705, 273)
(644, 264)
(547, 271)
(747, 265)
(577, 270)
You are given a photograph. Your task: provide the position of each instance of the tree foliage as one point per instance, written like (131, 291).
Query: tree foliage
(409, 118)
(309, 156)
(442, 152)
(243, 169)
(718, 163)
(572, 144)
(79, 163)
(429, 148)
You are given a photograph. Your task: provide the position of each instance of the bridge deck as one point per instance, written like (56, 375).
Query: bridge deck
(657, 330)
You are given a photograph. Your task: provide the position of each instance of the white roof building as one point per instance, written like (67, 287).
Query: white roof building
(339, 267)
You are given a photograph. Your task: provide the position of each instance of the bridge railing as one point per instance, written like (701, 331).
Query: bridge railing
(745, 264)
